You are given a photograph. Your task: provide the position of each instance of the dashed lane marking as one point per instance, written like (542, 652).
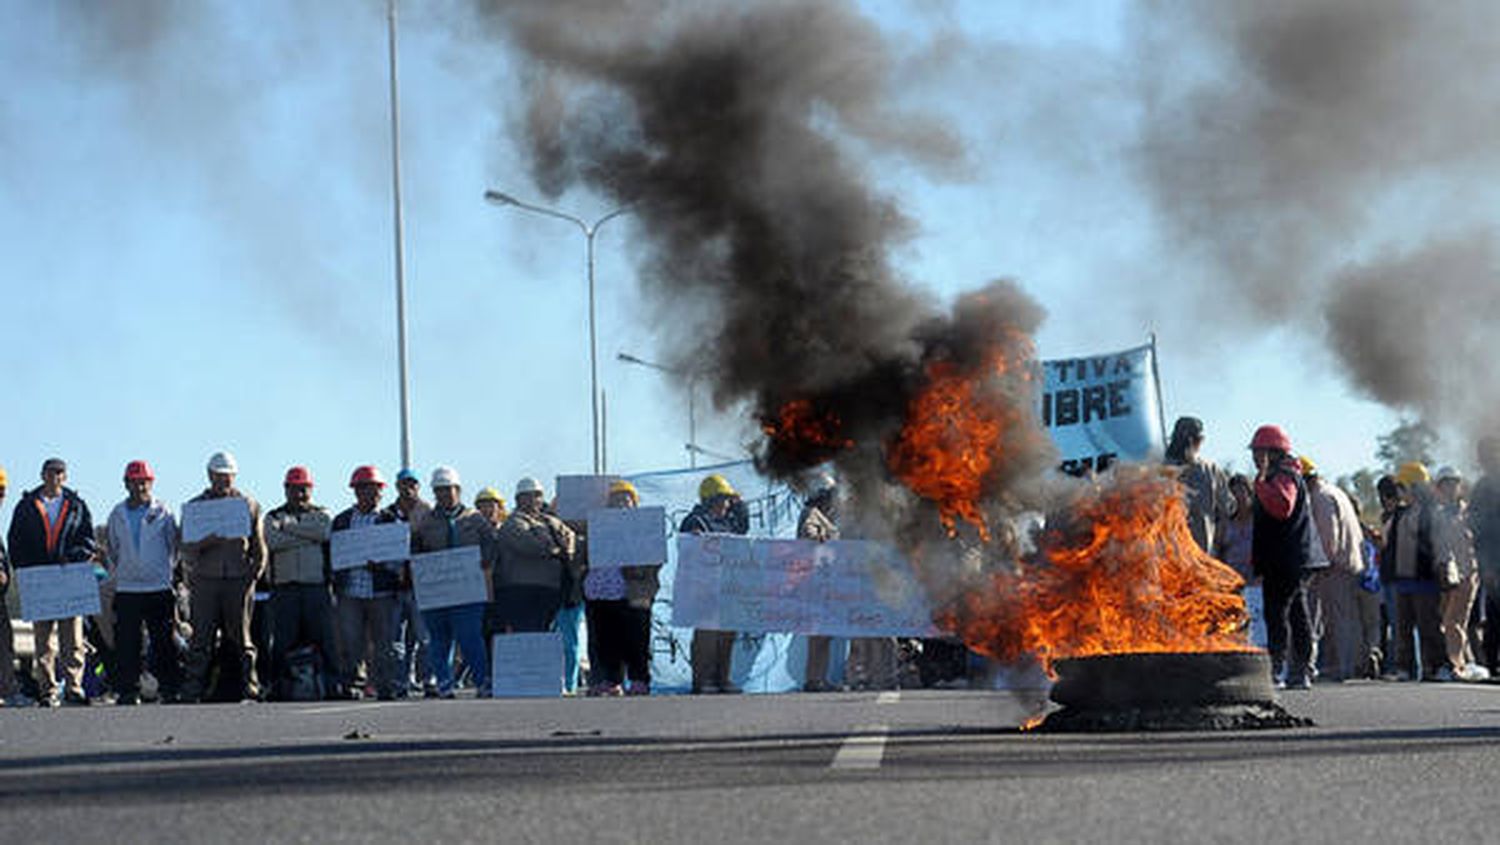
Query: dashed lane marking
(864, 750)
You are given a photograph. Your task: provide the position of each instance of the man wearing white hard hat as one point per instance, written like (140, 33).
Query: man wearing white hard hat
(221, 577)
(450, 525)
(534, 547)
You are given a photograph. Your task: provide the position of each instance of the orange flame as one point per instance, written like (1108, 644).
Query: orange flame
(801, 426)
(1122, 575)
(953, 439)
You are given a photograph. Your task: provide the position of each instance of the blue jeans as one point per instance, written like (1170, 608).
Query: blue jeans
(568, 622)
(463, 625)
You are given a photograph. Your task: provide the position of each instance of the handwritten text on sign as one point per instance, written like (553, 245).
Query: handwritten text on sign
(627, 537)
(448, 578)
(527, 665)
(57, 592)
(355, 547)
(846, 588)
(227, 517)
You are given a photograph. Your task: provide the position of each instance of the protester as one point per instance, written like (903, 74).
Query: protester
(408, 631)
(1484, 522)
(301, 605)
(51, 525)
(142, 543)
(720, 510)
(490, 503)
(10, 688)
(1336, 619)
(1285, 553)
(367, 609)
(1233, 545)
(818, 522)
(1210, 505)
(451, 525)
(619, 616)
(533, 547)
(1415, 552)
(1457, 600)
(222, 573)
(1389, 493)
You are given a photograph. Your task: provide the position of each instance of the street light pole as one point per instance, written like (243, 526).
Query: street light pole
(400, 236)
(692, 385)
(589, 231)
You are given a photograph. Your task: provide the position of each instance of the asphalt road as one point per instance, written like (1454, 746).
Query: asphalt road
(1386, 763)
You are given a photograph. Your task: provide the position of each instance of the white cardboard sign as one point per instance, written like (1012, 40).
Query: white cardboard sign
(448, 578)
(579, 494)
(627, 537)
(527, 665)
(53, 591)
(228, 517)
(842, 588)
(355, 547)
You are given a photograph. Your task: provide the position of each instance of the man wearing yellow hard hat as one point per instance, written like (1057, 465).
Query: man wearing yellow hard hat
(719, 511)
(1414, 553)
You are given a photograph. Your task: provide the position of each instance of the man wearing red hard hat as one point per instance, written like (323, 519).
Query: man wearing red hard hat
(367, 608)
(301, 604)
(143, 537)
(1285, 552)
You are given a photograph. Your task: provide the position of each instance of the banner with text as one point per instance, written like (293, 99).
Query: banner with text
(1103, 408)
(57, 591)
(448, 578)
(846, 588)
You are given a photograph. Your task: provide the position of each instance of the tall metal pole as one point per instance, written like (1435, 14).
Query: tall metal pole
(593, 356)
(400, 249)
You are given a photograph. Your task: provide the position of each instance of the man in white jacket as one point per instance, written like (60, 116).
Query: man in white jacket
(143, 537)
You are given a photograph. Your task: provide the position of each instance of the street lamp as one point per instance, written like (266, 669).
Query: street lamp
(692, 445)
(589, 230)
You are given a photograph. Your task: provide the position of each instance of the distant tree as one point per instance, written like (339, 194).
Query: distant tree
(1412, 440)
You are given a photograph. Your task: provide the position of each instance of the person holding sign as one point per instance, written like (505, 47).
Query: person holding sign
(51, 525)
(819, 522)
(142, 540)
(367, 594)
(490, 503)
(448, 526)
(619, 615)
(222, 572)
(719, 511)
(534, 547)
(301, 606)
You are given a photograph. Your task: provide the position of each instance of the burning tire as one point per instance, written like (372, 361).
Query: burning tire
(1216, 690)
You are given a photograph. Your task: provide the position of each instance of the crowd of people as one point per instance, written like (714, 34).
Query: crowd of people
(267, 616)
(1411, 593)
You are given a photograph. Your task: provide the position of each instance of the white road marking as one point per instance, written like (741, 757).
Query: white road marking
(888, 697)
(350, 708)
(864, 750)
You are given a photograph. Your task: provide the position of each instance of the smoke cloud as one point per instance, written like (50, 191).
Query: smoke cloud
(1326, 163)
(744, 138)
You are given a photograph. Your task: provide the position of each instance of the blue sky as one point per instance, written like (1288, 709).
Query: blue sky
(196, 230)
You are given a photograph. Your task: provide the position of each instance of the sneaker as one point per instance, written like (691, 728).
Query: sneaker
(73, 699)
(1298, 683)
(1444, 675)
(638, 688)
(46, 701)
(1473, 673)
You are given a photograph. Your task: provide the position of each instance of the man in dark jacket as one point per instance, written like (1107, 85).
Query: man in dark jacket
(719, 511)
(51, 525)
(1484, 522)
(1285, 552)
(367, 607)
